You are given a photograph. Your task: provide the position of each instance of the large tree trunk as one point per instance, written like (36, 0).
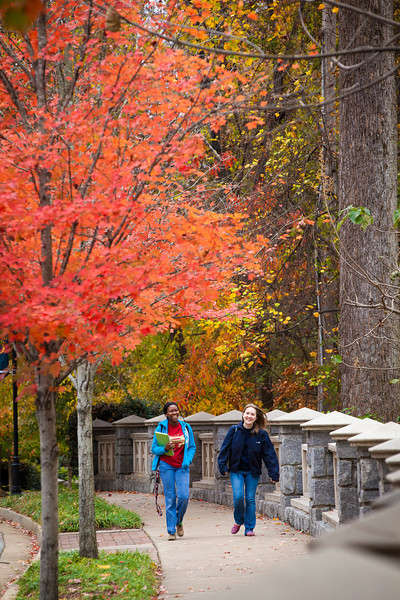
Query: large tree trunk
(46, 415)
(368, 336)
(87, 518)
(327, 289)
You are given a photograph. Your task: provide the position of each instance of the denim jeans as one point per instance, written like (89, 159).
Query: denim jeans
(244, 487)
(176, 492)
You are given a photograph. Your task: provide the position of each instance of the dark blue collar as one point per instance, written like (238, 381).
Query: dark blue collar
(241, 426)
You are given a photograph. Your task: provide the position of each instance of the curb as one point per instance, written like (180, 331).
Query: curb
(27, 523)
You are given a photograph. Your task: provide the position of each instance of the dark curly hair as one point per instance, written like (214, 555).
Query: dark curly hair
(167, 405)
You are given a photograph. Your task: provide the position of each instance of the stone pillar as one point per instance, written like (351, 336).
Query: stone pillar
(291, 438)
(270, 494)
(99, 427)
(322, 469)
(124, 471)
(381, 453)
(347, 459)
(202, 488)
(393, 462)
(222, 423)
(369, 487)
(151, 425)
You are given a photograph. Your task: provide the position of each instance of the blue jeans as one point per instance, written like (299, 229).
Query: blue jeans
(176, 492)
(244, 487)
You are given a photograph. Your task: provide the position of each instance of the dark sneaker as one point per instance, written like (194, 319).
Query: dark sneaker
(179, 530)
(235, 528)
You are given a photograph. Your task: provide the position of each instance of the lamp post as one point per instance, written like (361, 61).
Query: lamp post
(15, 473)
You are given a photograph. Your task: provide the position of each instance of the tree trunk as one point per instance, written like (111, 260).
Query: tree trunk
(87, 519)
(367, 172)
(327, 290)
(46, 415)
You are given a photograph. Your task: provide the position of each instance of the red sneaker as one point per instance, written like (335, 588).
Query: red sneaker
(235, 528)
(250, 533)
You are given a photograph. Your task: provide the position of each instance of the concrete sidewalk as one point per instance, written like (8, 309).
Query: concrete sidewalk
(16, 550)
(209, 560)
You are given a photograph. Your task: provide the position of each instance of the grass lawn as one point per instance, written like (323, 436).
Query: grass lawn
(107, 515)
(129, 575)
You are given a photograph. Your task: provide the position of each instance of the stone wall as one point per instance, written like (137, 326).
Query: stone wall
(333, 467)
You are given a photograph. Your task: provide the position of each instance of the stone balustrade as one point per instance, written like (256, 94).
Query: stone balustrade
(333, 467)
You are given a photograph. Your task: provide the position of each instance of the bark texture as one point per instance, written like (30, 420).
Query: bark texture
(87, 519)
(369, 336)
(327, 288)
(46, 415)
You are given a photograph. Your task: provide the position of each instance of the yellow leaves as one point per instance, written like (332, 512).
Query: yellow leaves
(334, 10)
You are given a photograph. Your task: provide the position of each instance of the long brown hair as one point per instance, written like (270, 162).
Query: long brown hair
(261, 419)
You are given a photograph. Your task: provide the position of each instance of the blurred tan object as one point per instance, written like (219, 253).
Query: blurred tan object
(113, 20)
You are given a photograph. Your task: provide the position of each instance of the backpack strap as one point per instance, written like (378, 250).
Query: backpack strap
(157, 484)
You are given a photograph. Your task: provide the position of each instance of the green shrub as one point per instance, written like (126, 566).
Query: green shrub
(29, 475)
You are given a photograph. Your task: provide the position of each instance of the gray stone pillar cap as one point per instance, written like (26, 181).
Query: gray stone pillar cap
(382, 433)
(385, 449)
(393, 462)
(329, 421)
(233, 416)
(297, 417)
(272, 415)
(200, 417)
(359, 426)
(130, 420)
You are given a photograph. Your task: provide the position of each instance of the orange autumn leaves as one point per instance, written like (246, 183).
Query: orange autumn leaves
(93, 140)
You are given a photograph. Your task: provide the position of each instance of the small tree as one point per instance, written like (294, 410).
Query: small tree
(99, 235)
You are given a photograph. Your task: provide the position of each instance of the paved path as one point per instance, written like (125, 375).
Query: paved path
(16, 550)
(113, 540)
(208, 559)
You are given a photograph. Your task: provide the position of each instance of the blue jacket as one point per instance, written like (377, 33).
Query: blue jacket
(260, 448)
(189, 450)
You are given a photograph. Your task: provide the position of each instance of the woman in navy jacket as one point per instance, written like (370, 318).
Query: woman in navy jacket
(243, 450)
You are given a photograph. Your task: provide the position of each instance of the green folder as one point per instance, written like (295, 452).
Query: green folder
(162, 440)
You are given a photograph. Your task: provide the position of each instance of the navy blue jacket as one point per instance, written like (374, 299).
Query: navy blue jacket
(260, 448)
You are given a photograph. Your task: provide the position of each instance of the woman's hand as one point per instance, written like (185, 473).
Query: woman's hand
(168, 446)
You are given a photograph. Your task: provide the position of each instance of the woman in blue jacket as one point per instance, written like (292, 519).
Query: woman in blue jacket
(174, 470)
(243, 450)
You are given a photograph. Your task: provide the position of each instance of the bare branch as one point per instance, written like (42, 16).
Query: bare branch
(15, 99)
